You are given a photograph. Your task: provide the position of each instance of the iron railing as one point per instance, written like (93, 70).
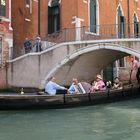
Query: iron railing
(99, 32)
(110, 31)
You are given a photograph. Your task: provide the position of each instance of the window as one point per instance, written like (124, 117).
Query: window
(136, 26)
(121, 62)
(136, 58)
(93, 16)
(54, 17)
(2, 8)
(0, 50)
(121, 24)
(27, 3)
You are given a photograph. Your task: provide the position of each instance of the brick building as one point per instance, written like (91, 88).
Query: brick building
(74, 20)
(55, 20)
(6, 38)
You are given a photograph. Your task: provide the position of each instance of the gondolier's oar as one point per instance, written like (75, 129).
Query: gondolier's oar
(130, 81)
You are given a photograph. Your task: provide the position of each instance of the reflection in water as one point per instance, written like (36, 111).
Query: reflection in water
(115, 121)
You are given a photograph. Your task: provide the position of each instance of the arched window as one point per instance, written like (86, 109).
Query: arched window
(53, 16)
(121, 23)
(94, 13)
(121, 28)
(136, 26)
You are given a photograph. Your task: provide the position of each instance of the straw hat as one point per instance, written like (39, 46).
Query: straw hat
(38, 38)
(99, 77)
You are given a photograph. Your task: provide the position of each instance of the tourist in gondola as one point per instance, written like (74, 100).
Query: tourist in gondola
(117, 84)
(109, 84)
(98, 85)
(136, 65)
(76, 87)
(51, 87)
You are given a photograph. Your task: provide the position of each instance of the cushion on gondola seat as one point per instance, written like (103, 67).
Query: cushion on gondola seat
(86, 86)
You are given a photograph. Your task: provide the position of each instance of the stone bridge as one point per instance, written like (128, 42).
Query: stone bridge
(83, 59)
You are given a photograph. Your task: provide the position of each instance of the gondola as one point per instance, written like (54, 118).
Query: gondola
(35, 101)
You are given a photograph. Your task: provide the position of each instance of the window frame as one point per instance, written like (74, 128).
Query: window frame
(54, 18)
(27, 3)
(123, 61)
(121, 23)
(3, 9)
(136, 27)
(96, 17)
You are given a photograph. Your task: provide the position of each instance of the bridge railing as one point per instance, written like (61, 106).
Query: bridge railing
(107, 31)
(98, 32)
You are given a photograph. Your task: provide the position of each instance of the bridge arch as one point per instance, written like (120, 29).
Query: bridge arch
(117, 50)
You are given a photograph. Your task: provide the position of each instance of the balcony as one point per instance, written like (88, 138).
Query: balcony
(111, 31)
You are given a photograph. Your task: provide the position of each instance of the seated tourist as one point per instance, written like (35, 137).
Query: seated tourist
(117, 84)
(94, 85)
(51, 87)
(109, 84)
(99, 84)
(76, 87)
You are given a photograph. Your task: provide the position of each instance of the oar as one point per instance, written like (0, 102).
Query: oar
(130, 81)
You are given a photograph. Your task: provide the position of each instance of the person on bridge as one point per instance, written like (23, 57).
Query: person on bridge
(51, 87)
(136, 65)
(27, 46)
(38, 44)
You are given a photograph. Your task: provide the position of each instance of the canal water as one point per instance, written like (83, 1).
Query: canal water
(114, 121)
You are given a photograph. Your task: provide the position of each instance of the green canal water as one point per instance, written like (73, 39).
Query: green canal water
(114, 121)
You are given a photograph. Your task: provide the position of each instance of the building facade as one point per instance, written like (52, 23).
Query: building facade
(75, 20)
(6, 38)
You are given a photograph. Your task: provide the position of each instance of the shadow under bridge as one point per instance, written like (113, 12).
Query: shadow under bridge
(86, 63)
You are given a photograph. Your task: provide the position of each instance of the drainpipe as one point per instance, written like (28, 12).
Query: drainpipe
(128, 10)
(38, 17)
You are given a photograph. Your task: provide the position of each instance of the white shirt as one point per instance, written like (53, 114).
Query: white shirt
(52, 87)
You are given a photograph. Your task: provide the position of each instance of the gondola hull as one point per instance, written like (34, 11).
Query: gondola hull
(30, 101)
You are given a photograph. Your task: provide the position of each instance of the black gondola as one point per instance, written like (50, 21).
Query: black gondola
(35, 101)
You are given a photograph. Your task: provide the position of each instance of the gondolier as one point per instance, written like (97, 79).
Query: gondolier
(136, 65)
